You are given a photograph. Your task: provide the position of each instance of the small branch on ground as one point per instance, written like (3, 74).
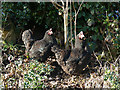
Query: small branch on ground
(97, 59)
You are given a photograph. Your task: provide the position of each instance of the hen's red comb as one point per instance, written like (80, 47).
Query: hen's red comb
(81, 35)
(50, 32)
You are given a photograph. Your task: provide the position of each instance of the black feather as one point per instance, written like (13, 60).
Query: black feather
(73, 61)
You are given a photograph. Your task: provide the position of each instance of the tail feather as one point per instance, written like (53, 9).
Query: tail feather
(57, 51)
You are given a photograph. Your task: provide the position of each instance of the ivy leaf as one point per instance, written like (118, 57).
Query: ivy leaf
(85, 28)
(100, 37)
(92, 11)
(90, 22)
(87, 6)
(94, 37)
(79, 15)
(83, 13)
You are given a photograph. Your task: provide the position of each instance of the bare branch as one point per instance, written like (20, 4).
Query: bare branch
(97, 59)
(109, 51)
(62, 3)
(56, 4)
(118, 58)
(59, 5)
(74, 7)
(105, 64)
(79, 8)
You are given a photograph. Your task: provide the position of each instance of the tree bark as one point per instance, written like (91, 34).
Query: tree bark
(66, 24)
(75, 23)
(1, 43)
(71, 24)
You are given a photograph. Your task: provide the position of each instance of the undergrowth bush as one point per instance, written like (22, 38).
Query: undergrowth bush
(35, 75)
(32, 74)
(112, 76)
(22, 72)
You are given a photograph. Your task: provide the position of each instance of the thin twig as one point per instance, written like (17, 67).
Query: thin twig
(118, 58)
(106, 63)
(74, 7)
(62, 2)
(109, 51)
(56, 4)
(75, 10)
(79, 8)
(97, 59)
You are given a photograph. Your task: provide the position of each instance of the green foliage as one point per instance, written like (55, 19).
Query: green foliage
(99, 21)
(11, 49)
(21, 71)
(113, 77)
(19, 13)
(27, 14)
(36, 74)
(8, 46)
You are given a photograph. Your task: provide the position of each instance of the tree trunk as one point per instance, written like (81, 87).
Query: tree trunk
(65, 12)
(1, 33)
(71, 24)
(75, 24)
(66, 25)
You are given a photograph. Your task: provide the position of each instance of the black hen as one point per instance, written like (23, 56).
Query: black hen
(73, 61)
(81, 43)
(41, 49)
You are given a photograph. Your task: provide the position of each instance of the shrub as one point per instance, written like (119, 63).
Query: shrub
(35, 75)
